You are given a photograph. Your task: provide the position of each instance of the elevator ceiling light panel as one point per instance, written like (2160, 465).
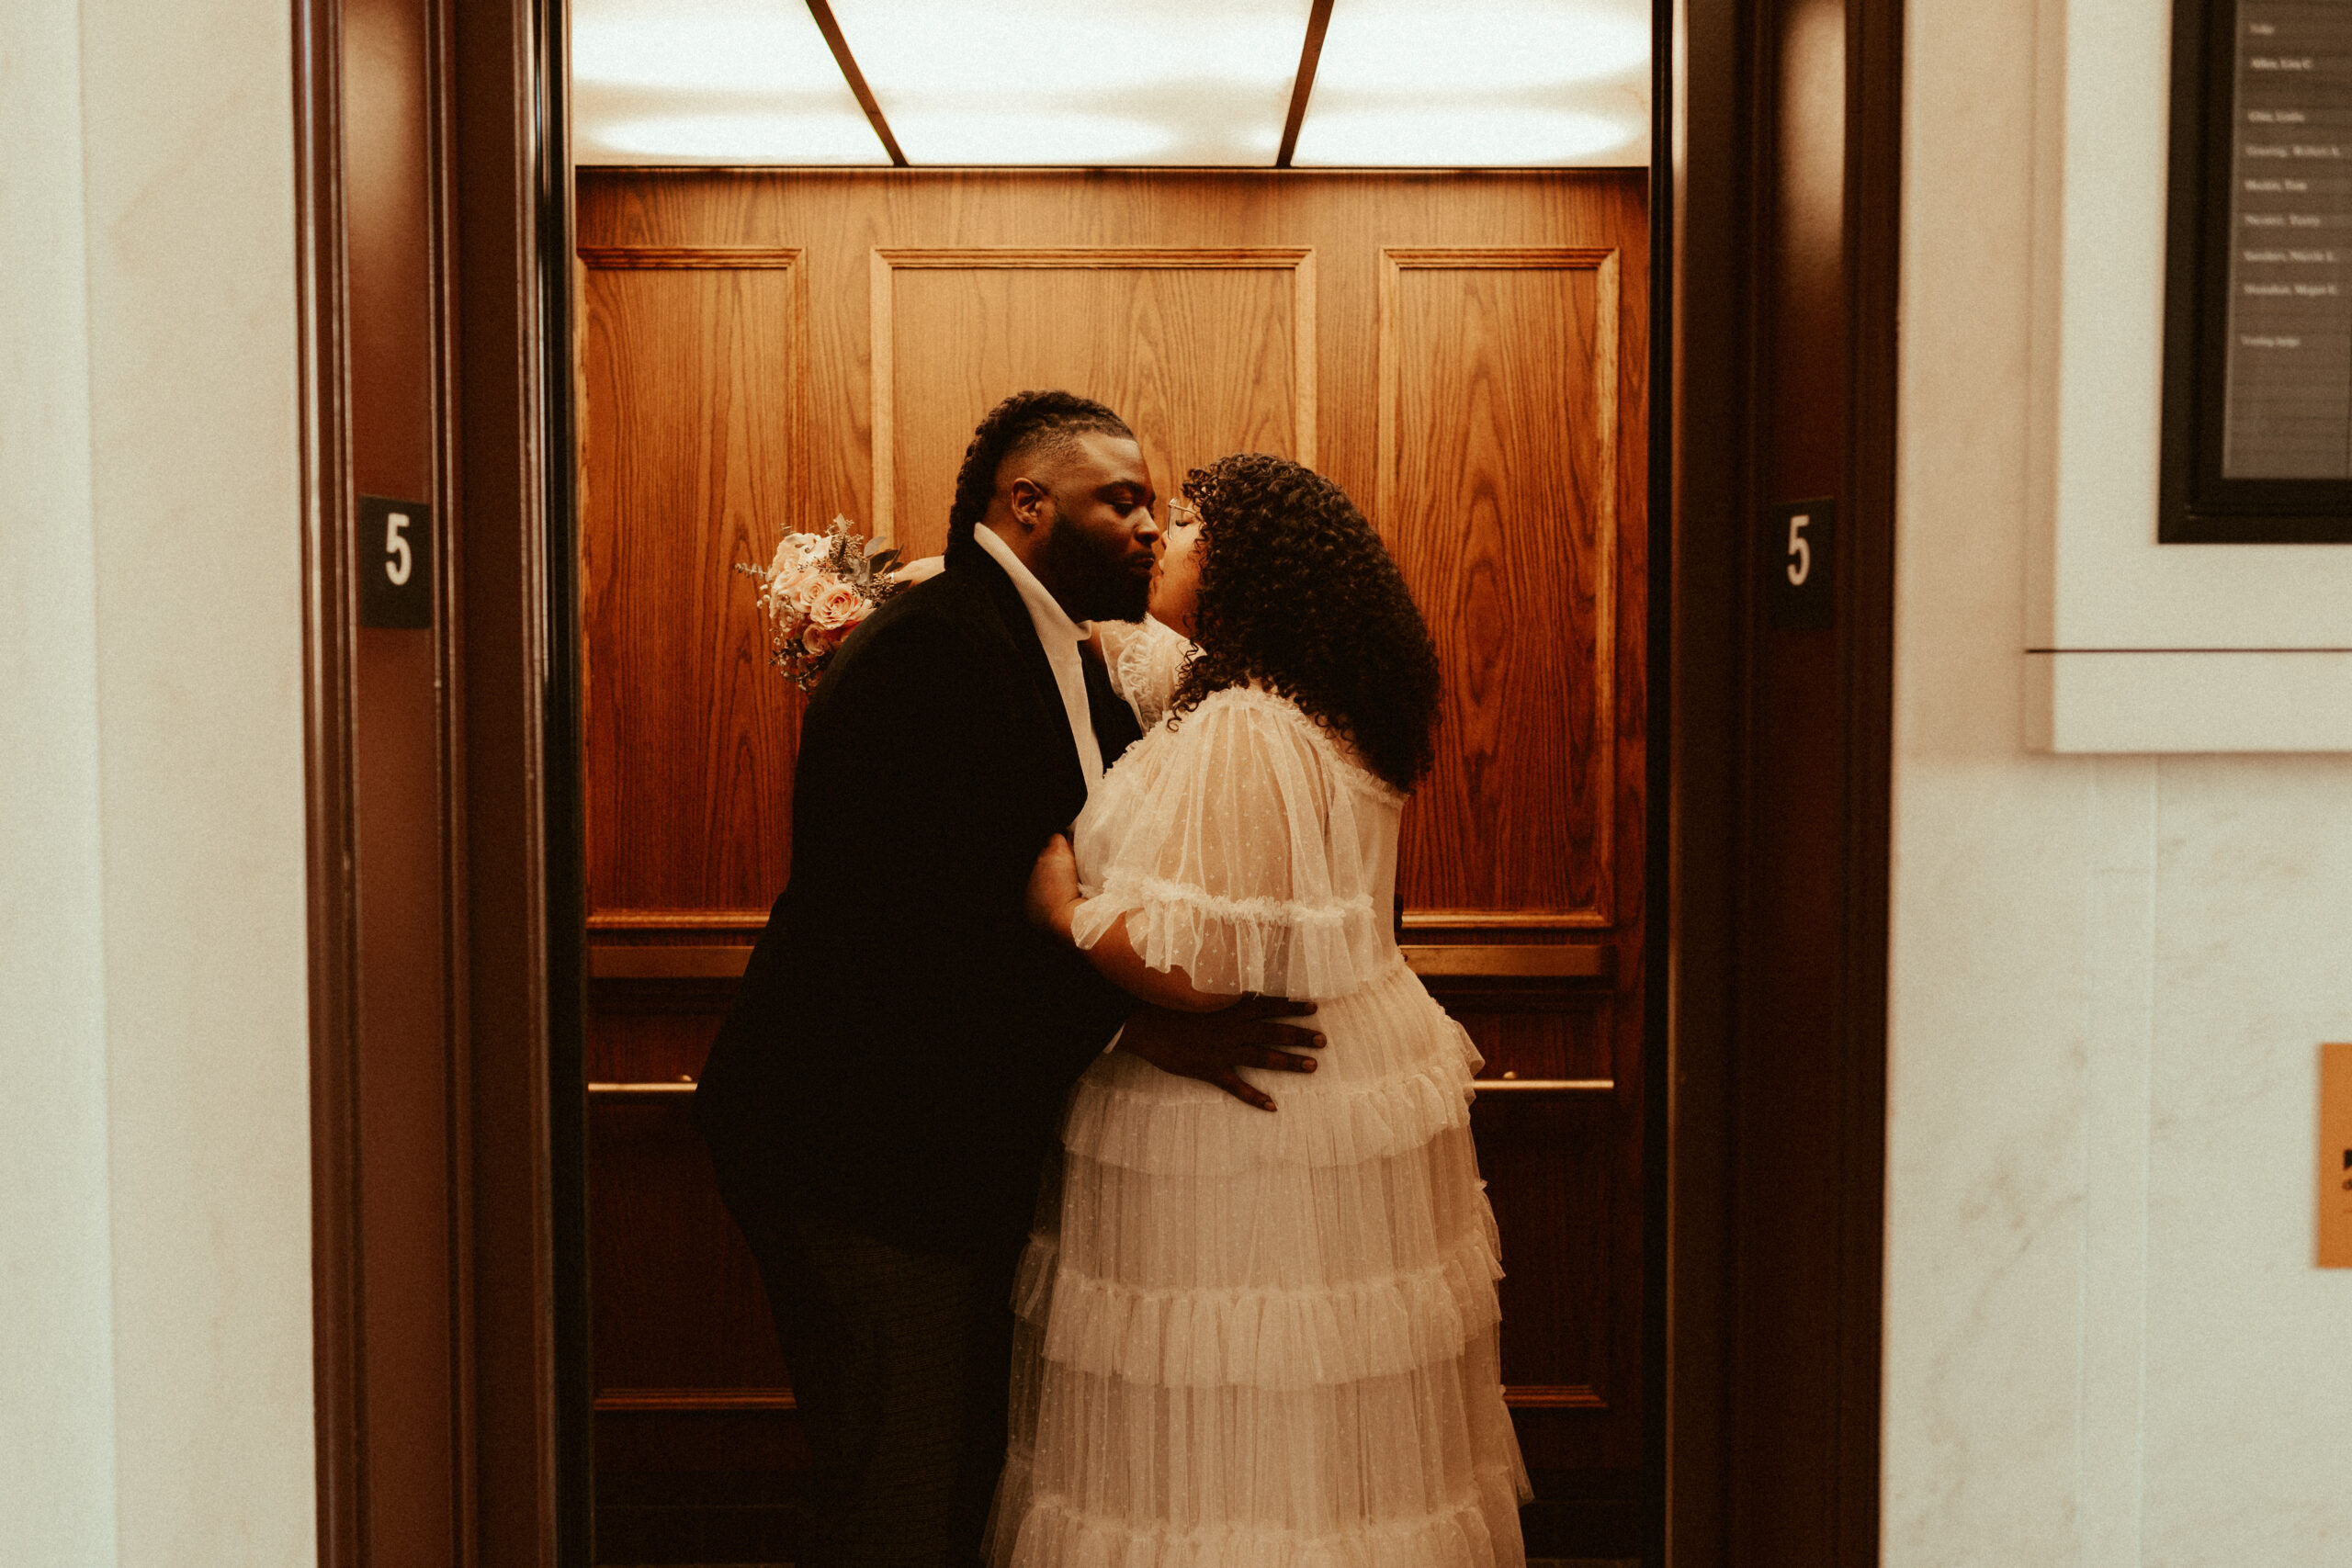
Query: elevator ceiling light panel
(1393, 84)
(710, 82)
(1469, 84)
(1079, 81)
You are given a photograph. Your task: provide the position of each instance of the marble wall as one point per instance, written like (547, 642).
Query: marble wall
(155, 1261)
(2105, 1343)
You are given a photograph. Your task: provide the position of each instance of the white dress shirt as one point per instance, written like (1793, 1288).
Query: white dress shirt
(1061, 636)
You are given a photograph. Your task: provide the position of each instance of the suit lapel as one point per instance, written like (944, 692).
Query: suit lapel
(1114, 723)
(996, 593)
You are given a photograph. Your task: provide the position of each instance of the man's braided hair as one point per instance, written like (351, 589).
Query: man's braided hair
(1298, 594)
(1023, 423)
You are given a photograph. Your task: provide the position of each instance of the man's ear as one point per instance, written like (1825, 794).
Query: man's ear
(1027, 500)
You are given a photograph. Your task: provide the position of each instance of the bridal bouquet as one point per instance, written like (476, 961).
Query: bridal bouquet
(814, 591)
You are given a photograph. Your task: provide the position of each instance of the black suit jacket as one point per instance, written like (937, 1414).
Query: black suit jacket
(904, 1039)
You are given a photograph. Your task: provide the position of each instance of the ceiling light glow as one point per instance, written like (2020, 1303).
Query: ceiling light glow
(709, 45)
(1463, 138)
(1478, 46)
(726, 55)
(979, 136)
(710, 82)
(1079, 81)
(1479, 83)
(1017, 47)
(1445, 84)
(745, 139)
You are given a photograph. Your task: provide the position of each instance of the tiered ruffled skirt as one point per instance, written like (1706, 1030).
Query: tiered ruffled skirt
(1267, 1341)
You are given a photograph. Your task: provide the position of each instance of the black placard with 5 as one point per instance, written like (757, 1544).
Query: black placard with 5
(1800, 558)
(394, 552)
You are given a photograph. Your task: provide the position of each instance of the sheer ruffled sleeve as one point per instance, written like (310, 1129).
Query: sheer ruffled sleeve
(1235, 850)
(1144, 658)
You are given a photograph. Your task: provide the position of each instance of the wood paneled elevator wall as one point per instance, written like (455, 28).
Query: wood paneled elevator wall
(1466, 354)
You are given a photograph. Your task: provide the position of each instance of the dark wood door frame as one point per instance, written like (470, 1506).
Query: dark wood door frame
(1775, 369)
(1781, 740)
(487, 100)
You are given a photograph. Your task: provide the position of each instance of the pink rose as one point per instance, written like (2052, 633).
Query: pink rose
(818, 641)
(836, 606)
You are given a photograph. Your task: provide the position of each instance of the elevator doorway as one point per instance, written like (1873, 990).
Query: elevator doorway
(460, 1363)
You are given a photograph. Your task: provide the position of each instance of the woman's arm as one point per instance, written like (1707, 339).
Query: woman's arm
(1052, 897)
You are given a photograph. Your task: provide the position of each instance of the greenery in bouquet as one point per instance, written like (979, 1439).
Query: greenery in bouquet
(817, 590)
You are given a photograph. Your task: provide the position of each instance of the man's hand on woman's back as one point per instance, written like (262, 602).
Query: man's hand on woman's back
(1213, 1046)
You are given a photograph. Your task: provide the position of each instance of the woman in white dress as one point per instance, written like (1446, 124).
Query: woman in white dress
(1262, 1337)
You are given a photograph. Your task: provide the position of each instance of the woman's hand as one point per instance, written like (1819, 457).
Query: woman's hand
(1053, 888)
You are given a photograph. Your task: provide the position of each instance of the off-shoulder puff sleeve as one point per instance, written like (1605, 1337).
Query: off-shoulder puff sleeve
(1144, 658)
(1232, 850)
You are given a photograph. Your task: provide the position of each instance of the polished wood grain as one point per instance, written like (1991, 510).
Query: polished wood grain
(674, 258)
(1464, 354)
(1498, 495)
(693, 420)
(678, 921)
(838, 216)
(1205, 350)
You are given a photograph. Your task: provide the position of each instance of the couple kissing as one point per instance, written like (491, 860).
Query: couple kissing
(1109, 1173)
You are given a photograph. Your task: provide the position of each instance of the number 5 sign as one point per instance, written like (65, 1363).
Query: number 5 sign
(1798, 557)
(394, 554)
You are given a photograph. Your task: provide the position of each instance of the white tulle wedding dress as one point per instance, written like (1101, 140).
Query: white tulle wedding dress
(1255, 1340)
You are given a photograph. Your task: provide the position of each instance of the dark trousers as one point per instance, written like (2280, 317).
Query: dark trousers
(900, 1362)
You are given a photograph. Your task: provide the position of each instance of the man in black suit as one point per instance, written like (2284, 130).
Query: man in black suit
(881, 1098)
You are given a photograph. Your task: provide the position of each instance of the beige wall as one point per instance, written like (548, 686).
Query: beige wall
(57, 1452)
(2106, 1342)
(154, 1265)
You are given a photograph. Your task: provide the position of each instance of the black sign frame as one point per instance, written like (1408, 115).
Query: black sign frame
(1799, 553)
(2197, 503)
(393, 548)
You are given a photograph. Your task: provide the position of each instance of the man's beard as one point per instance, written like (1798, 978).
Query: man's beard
(1097, 576)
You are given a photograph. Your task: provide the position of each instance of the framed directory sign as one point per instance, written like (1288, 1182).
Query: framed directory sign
(2257, 405)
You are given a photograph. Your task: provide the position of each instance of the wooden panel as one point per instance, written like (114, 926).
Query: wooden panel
(674, 258)
(1205, 352)
(1498, 492)
(694, 423)
(664, 1252)
(708, 924)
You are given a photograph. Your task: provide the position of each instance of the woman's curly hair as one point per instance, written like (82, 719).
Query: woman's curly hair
(1298, 594)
